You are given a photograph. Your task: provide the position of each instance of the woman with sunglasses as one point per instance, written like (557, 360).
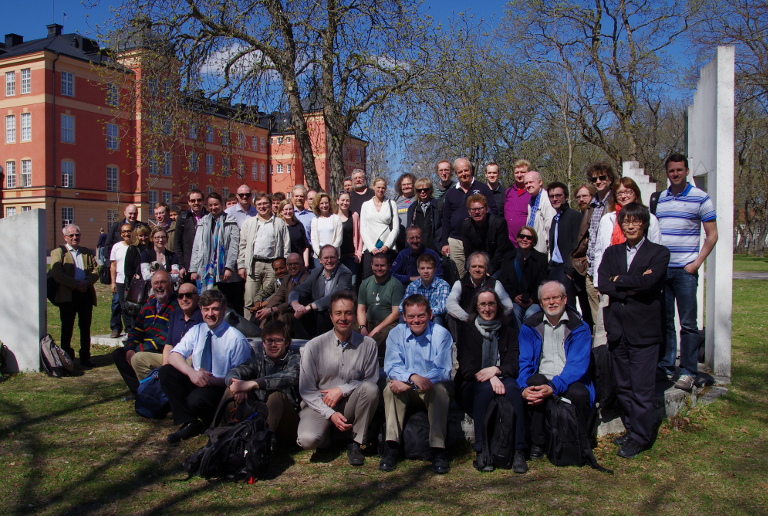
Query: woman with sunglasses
(159, 257)
(296, 230)
(424, 212)
(526, 269)
(351, 250)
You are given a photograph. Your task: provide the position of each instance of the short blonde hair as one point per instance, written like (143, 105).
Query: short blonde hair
(522, 163)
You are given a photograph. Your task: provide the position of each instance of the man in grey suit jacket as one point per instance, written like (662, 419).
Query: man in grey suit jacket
(313, 297)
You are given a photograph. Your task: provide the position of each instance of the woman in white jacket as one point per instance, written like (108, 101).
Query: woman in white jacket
(379, 225)
(325, 228)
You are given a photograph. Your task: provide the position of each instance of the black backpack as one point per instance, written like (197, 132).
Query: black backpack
(415, 436)
(242, 451)
(151, 402)
(55, 361)
(567, 440)
(654, 202)
(499, 435)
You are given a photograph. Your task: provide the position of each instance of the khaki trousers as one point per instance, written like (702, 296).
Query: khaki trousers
(144, 362)
(358, 408)
(600, 337)
(436, 399)
(261, 273)
(457, 255)
(594, 297)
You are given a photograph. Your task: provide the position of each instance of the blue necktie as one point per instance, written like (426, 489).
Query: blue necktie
(205, 360)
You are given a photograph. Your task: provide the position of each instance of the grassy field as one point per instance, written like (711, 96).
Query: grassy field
(70, 446)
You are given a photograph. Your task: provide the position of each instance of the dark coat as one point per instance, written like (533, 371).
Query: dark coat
(567, 236)
(113, 235)
(493, 239)
(635, 311)
(430, 224)
(535, 272)
(469, 350)
(184, 238)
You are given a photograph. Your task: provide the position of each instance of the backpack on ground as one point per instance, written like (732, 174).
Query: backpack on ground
(105, 274)
(567, 440)
(55, 361)
(499, 436)
(151, 402)
(415, 436)
(242, 451)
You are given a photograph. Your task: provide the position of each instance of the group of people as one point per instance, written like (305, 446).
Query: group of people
(458, 290)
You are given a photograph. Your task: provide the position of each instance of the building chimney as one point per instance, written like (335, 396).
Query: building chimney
(11, 40)
(54, 29)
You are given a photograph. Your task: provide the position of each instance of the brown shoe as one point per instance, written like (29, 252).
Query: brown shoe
(114, 335)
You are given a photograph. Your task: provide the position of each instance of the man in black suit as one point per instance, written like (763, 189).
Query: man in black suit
(484, 231)
(632, 276)
(563, 237)
(186, 226)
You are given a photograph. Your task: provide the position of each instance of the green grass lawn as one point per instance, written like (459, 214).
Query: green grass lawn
(70, 446)
(744, 263)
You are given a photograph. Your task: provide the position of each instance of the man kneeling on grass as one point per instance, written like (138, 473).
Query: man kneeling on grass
(195, 391)
(271, 377)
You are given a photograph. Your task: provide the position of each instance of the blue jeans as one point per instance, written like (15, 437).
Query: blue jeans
(522, 314)
(350, 263)
(681, 286)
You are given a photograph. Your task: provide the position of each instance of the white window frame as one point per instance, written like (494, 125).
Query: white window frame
(167, 163)
(226, 167)
(26, 208)
(153, 166)
(263, 176)
(67, 84)
(10, 174)
(67, 174)
(152, 196)
(113, 95)
(26, 80)
(209, 162)
(26, 173)
(26, 127)
(111, 217)
(279, 168)
(193, 161)
(209, 133)
(10, 84)
(165, 195)
(254, 172)
(67, 129)
(10, 211)
(67, 215)
(112, 178)
(10, 129)
(113, 137)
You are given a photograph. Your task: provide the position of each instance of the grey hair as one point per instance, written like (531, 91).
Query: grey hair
(64, 229)
(559, 285)
(479, 253)
(300, 187)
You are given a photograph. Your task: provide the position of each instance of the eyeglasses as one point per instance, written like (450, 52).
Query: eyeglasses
(186, 295)
(477, 210)
(632, 223)
(525, 237)
(160, 238)
(422, 190)
(73, 235)
(595, 179)
(489, 304)
(273, 341)
(243, 195)
(625, 193)
(127, 232)
(196, 200)
(293, 264)
(552, 299)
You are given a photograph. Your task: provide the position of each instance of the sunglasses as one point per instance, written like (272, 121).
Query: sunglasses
(186, 295)
(525, 237)
(243, 195)
(595, 179)
(420, 190)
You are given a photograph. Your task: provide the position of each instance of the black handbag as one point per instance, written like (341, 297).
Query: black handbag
(137, 294)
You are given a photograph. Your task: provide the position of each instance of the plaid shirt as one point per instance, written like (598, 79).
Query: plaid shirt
(594, 223)
(437, 294)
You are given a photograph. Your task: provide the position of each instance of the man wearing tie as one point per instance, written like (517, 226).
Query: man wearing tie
(194, 391)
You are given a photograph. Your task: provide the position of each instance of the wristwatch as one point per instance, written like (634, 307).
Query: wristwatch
(360, 327)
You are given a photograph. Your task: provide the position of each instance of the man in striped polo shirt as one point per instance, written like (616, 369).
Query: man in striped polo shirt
(682, 209)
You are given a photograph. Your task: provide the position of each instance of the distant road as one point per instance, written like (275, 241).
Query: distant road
(750, 275)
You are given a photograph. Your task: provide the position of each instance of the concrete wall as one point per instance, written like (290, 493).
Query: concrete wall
(22, 296)
(711, 154)
(647, 187)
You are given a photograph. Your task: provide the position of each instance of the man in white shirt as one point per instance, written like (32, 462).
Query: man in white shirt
(243, 210)
(540, 210)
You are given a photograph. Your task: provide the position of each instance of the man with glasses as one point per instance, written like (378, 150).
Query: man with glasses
(263, 239)
(271, 376)
(313, 297)
(554, 357)
(418, 366)
(74, 268)
(243, 209)
(563, 236)
(277, 304)
(163, 220)
(444, 171)
(484, 231)
(601, 176)
(186, 226)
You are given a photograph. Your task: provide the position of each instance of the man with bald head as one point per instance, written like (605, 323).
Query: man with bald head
(540, 210)
(131, 214)
(74, 269)
(243, 209)
(455, 211)
(150, 332)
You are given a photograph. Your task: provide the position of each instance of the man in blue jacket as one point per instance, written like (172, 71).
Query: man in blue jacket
(554, 358)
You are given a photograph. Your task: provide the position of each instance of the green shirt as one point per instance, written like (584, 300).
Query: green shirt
(380, 298)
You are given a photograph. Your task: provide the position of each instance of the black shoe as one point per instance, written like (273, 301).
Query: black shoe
(355, 455)
(390, 456)
(622, 439)
(187, 431)
(537, 452)
(480, 464)
(440, 464)
(631, 448)
(518, 462)
(86, 362)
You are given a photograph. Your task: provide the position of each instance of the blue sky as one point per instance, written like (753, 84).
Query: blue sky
(29, 17)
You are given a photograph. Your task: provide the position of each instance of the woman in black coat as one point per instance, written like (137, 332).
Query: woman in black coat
(488, 366)
(524, 270)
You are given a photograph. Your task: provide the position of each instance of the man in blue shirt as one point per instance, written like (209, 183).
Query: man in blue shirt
(418, 365)
(404, 267)
(194, 391)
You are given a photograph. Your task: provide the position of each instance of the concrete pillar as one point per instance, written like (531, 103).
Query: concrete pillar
(647, 187)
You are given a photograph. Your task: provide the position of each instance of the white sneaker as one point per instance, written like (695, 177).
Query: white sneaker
(685, 382)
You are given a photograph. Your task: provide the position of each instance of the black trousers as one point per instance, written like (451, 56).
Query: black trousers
(188, 401)
(126, 369)
(557, 273)
(580, 282)
(475, 398)
(578, 394)
(635, 371)
(235, 294)
(82, 307)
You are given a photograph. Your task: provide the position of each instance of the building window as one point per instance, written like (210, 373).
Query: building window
(167, 164)
(26, 208)
(67, 174)
(254, 172)
(67, 129)
(10, 129)
(10, 211)
(280, 140)
(193, 161)
(152, 86)
(192, 131)
(26, 81)
(289, 168)
(26, 127)
(263, 144)
(112, 179)
(113, 95)
(226, 170)
(112, 137)
(280, 168)
(263, 173)
(192, 186)
(10, 174)
(225, 138)
(225, 193)
(167, 127)
(241, 170)
(152, 162)
(241, 140)
(209, 164)
(254, 143)
(166, 196)
(67, 216)
(288, 139)
(26, 173)
(209, 134)
(111, 217)
(208, 189)
(10, 84)
(152, 197)
(68, 84)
